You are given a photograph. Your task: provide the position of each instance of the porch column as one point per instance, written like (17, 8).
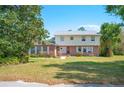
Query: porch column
(47, 49)
(35, 49)
(55, 54)
(41, 50)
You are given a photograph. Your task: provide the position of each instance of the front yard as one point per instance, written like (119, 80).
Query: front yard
(70, 70)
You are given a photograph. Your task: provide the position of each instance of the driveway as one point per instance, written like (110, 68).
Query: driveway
(27, 84)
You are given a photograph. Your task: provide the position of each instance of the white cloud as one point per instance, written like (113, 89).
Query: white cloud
(91, 27)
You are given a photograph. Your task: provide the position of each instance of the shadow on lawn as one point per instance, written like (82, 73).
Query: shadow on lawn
(91, 72)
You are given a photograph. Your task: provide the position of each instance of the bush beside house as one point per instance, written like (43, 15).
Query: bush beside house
(9, 60)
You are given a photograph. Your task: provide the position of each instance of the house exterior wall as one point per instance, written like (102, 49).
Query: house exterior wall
(38, 50)
(67, 46)
(73, 50)
(52, 50)
(77, 40)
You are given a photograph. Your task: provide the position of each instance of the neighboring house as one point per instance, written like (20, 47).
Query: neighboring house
(72, 43)
(75, 42)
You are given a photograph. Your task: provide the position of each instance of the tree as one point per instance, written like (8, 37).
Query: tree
(117, 10)
(109, 37)
(52, 40)
(20, 26)
(119, 47)
(81, 29)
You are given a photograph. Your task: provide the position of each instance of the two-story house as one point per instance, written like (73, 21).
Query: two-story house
(72, 43)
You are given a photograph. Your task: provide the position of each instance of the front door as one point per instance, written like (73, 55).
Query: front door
(62, 50)
(68, 50)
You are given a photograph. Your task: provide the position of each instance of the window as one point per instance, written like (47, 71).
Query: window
(92, 38)
(32, 50)
(44, 48)
(89, 49)
(62, 38)
(38, 49)
(84, 50)
(83, 39)
(71, 38)
(79, 49)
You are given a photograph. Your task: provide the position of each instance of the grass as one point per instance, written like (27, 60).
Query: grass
(69, 70)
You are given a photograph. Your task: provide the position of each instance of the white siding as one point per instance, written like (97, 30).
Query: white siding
(77, 40)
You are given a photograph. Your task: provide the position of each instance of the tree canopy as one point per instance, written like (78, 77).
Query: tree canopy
(81, 29)
(110, 36)
(20, 26)
(117, 10)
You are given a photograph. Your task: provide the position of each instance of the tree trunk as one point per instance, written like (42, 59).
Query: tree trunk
(24, 58)
(109, 48)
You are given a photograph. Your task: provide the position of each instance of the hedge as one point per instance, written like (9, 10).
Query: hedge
(9, 60)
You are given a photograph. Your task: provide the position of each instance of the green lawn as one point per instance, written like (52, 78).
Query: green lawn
(69, 70)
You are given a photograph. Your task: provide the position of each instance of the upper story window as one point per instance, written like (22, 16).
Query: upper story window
(83, 38)
(92, 38)
(71, 38)
(61, 38)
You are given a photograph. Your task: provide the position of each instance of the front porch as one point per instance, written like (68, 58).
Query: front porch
(42, 50)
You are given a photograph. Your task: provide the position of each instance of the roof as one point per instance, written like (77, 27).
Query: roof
(76, 33)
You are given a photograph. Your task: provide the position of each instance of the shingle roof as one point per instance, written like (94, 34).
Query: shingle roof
(76, 33)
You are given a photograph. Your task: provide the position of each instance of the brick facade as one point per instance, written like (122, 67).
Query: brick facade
(71, 50)
(53, 50)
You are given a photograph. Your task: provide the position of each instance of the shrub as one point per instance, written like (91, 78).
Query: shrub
(41, 55)
(9, 60)
(24, 59)
(44, 55)
(78, 54)
(118, 52)
(33, 55)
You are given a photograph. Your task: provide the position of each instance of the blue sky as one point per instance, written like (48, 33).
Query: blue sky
(62, 17)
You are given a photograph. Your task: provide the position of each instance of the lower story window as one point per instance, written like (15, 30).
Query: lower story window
(84, 50)
(79, 49)
(32, 50)
(44, 48)
(38, 49)
(88, 49)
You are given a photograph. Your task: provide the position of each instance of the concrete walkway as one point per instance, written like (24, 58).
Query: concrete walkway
(27, 84)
